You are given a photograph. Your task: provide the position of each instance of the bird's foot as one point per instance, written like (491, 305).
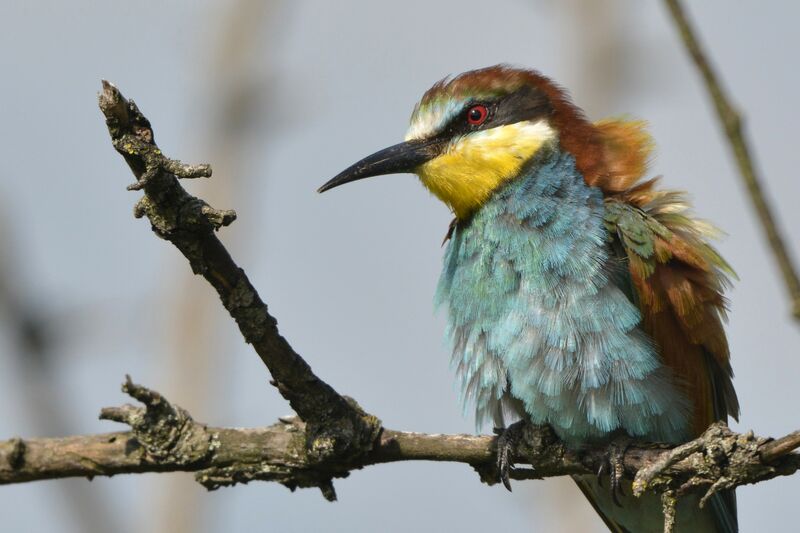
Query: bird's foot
(614, 466)
(507, 441)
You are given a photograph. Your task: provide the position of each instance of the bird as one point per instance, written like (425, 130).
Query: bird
(579, 293)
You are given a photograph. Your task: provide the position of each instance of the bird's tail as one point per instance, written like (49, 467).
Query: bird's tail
(644, 514)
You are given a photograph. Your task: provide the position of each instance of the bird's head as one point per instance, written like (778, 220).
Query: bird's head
(472, 133)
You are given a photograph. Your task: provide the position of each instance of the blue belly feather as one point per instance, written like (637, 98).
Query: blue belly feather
(538, 320)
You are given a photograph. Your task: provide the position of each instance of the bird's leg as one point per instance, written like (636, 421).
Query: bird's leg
(507, 441)
(614, 465)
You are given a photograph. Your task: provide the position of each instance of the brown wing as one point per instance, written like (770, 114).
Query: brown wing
(678, 278)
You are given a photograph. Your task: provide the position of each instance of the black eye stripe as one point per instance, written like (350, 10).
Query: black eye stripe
(526, 103)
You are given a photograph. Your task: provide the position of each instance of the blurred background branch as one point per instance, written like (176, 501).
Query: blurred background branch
(37, 348)
(731, 121)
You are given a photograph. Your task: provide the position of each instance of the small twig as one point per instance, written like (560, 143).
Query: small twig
(732, 123)
(780, 447)
(668, 504)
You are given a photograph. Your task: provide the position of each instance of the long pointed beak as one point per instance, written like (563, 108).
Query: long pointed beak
(397, 159)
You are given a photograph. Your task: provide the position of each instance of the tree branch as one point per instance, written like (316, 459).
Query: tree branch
(731, 121)
(337, 428)
(164, 438)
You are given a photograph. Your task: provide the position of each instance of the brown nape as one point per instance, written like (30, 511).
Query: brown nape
(577, 135)
(612, 155)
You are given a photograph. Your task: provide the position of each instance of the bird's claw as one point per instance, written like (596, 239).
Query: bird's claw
(614, 466)
(507, 440)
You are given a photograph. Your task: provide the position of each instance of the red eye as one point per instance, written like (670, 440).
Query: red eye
(477, 114)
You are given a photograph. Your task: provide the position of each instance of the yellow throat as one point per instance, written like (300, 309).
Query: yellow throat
(473, 166)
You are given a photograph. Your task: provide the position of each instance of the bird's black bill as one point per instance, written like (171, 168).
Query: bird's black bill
(397, 159)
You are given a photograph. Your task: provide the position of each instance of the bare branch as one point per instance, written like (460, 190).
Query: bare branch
(731, 121)
(164, 438)
(337, 427)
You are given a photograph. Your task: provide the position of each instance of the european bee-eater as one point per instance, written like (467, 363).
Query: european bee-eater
(578, 294)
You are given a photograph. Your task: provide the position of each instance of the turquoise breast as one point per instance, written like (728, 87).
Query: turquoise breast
(538, 321)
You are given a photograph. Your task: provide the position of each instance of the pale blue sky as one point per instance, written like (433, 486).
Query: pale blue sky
(350, 275)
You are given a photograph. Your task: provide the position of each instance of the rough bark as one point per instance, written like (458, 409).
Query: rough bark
(337, 428)
(164, 438)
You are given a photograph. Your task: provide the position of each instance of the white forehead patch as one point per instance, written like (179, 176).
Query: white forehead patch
(428, 120)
